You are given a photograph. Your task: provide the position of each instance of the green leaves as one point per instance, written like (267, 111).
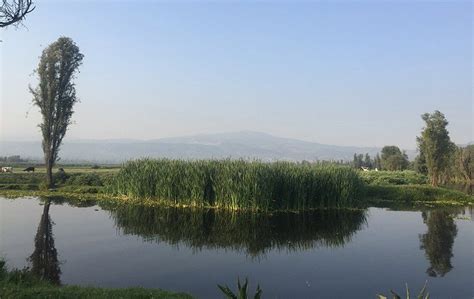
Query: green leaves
(238, 184)
(242, 291)
(423, 294)
(434, 145)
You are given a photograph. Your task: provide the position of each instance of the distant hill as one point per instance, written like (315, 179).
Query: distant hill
(245, 144)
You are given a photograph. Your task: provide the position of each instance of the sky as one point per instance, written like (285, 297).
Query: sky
(336, 72)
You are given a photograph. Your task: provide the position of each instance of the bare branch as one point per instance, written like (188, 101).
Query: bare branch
(14, 11)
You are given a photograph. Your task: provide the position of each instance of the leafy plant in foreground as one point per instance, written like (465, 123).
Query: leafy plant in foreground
(242, 291)
(422, 295)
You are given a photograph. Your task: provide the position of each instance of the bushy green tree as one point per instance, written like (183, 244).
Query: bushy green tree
(393, 158)
(420, 163)
(55, 96)
(435, 145)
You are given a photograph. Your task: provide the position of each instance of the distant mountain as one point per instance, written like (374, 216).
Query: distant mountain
(245, 144)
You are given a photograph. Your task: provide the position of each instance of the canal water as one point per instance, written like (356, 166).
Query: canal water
(319, 254)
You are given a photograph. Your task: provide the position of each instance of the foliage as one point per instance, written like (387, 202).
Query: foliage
(405, 177)
(23, 284)
(423, 294)
(85, 179)
(435, 145)
(55, 96)
(393, 158)
(464, 163)
(242, 291)
(238, 184)
(366, 161)
(60, 177)
(410, 193)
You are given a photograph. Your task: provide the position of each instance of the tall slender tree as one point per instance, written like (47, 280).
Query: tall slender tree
(435, 145)
(55, 96)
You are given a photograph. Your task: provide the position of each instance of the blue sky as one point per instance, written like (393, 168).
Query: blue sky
(335, 72)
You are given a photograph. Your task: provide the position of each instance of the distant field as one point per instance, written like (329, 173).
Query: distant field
(68, 169)
(89, 179)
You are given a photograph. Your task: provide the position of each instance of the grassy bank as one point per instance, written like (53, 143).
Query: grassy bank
(416, 193)
(232, 185)
(85, 179)
(23, 284)
(238, 184)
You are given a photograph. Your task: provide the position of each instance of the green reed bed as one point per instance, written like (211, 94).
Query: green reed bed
(238, 184)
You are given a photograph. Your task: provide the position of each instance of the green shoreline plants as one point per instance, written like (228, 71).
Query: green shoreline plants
(238, 184)
(23, 284)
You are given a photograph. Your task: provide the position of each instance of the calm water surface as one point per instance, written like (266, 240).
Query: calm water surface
(323, 254)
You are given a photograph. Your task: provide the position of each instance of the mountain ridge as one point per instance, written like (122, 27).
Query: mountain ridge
(243, 144)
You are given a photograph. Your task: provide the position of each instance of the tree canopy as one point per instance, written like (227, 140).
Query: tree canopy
(435, 145)
(393, 158)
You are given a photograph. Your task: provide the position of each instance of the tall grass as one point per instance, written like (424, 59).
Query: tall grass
(238, 184)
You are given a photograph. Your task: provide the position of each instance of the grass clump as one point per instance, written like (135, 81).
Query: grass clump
(238, 184)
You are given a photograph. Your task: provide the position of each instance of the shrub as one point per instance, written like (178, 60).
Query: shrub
(85, 179)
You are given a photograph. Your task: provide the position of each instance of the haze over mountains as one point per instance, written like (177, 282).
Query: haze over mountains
(246, 144)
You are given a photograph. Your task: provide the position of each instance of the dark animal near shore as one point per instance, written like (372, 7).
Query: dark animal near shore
(28, 169)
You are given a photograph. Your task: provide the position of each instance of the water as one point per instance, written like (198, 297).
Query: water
(323, 254)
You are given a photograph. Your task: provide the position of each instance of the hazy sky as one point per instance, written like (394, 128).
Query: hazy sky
(345, 72)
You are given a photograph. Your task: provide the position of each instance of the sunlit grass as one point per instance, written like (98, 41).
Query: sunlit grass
(238, 184)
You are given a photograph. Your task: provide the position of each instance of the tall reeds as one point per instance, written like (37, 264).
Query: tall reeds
(238, 184)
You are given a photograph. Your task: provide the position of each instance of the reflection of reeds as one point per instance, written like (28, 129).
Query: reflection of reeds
(254, 233)
(238, 184)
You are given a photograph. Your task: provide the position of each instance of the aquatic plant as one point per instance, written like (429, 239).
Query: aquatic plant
(423, 294)
(238, 184)
(242, 291)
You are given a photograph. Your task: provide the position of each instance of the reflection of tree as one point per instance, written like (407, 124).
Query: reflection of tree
(438, 241)
(44, 259)
(253, 233)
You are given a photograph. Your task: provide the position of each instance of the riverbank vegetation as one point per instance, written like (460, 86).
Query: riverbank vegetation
(24, 284)
(238, 184)
(284, 185)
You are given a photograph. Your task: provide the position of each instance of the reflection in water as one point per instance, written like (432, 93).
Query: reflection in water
(44, 259)
(438, 241)
(253, 233)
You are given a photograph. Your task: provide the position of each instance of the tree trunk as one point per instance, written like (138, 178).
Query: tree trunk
(434, 180)
(49, 174)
